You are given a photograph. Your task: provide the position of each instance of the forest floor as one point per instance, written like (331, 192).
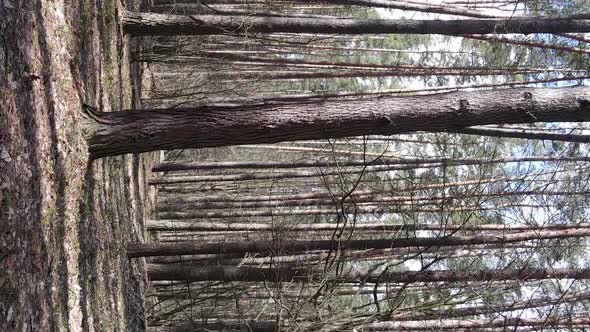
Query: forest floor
(65, 220)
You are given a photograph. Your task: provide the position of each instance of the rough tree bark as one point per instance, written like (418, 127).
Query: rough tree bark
(165, 24)
(165, 129)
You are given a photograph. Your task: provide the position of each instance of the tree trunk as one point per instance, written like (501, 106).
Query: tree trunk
(171, 166)
(184, 248)
(201, 56)
(526, 134)
(369, 199)
(530, 43)
(273, 175)
(166, 129)
(448, 324)
(320, 212)
(164, 24)
(224, 325)
(487, 309)
(187, 272)
(167, 225)
(407, 5)
(264, 75)
(322, 97)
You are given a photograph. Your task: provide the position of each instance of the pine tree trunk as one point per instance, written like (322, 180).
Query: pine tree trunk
(183, 248)
(166, 24)
(171, 166)
(187, 272)
(168, 225)
(166, 129)
(450, 325)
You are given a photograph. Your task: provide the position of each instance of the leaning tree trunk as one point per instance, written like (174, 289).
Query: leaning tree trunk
(188, 128)
(166, 24)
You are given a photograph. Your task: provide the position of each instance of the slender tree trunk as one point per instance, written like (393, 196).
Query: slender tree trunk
(224, 273)
(375, 197)
(165, 24)
(224, 325)
(272, 176)
(322, 97)
(183, 56)
(529, 43)
(448, 324)
(321, 212)
(141, 131)
(167, 225)
(495, 308)
(172, 249)
(405, 5)
(170, 166)
(177, 198)
(527, 134)
(281, 74)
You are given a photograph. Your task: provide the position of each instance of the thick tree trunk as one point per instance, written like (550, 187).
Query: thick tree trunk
(166, 129)
(188, 248)
(187, 272)
(165, 24)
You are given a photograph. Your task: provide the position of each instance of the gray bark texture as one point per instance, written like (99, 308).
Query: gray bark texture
(189, 128)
